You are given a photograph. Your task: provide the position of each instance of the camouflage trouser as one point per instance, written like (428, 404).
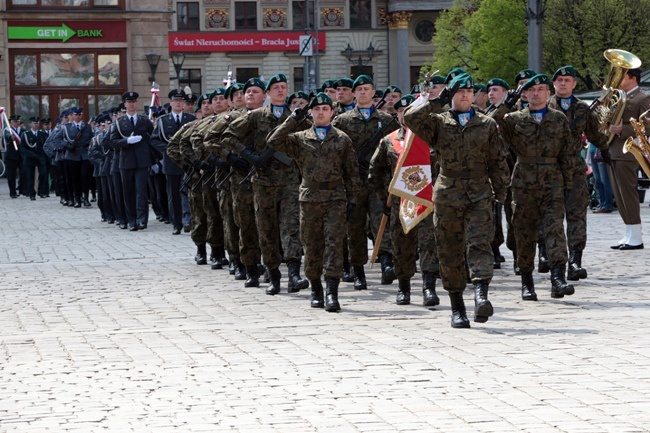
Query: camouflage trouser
(230, 229)
(511, 243)
(498, 239)
(576, 214)
(277, 214)
(404, 244)
(464, 229)
(215, 222)
(199, 232)
(533, 207)
(428, 248)
(367, 206)
(244, 216)
(322, 238)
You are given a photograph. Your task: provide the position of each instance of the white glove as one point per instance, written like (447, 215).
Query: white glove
(134, 139)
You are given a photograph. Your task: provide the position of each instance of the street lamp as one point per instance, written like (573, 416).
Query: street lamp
(177, 60)
(356, 56)
(153, 60)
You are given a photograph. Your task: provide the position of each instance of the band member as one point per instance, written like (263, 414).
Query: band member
(473, 173)
(132, 135)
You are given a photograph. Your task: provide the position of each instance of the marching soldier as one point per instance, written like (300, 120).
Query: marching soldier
(51, 172)
(473, 172)
(521, 79)
(132, 135)
(581, 121)
(275, 186)
(10, 142)
(115, 177)
(329, 89)
(362, 124)
(168, 125)
(344, 95)
(297, 100)
(481, 96)
(31, 149)
(541, 139)
(327, 192)
(404, 245)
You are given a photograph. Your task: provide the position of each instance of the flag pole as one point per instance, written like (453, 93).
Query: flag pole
(13, 140)
(380, 232)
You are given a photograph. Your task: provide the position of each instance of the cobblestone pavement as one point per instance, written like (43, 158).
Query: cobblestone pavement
(103, 329)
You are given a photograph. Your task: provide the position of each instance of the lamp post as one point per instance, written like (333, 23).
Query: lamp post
(153, 60)
(360, 61)
(178, 59)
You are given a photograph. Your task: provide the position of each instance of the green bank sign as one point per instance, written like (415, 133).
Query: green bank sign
(43, 33)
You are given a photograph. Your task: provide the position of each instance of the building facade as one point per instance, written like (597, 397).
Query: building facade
(56, 54)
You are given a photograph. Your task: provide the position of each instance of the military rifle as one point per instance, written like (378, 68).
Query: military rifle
(187, 180)
(266, 157)
(365, 152)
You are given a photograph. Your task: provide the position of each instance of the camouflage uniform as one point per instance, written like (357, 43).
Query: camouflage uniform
(360, 130)
(473, 171)
(544, 168)
(581, 121)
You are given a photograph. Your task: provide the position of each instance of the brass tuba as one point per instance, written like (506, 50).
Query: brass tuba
(609, 107)
(639, 147)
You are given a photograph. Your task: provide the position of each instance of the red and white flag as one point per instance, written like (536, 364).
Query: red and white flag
(155, 100)
(412, 180)
(7, 125)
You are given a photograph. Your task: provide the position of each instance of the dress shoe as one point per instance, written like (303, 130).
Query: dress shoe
(141, 226)
(133, 229)
(123, 226)
(32, 197)
(166, 221)
(187, 229)
(110, 221)
(86, 202)
(602, 210)
(626, 247)
(176, 231)
(77, 204)
(14, 196)
(617, 246)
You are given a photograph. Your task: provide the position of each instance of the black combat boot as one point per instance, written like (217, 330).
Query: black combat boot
(458, 312)
(201, 257)
(296, 283)
(214, 258)
(264, 272)
(576, 271)
(429, 296)
(232, 267)
(221, 256)
(348, 277)
(497, 258)
(559, 285)
(515, 265)
(359, 278)
(317, 299)
(274, 287)
(240, 271)
(252, 277)
(528, 287)
(482, 307)
(542, 260)
(332, 295)
(387, 270)
(404, 292)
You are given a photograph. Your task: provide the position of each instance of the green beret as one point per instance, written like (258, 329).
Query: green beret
(343, 82)
(313, 94)
(479, 88)
(320, 99)
(524, 74)
(277, 78)
(327, 84)
(437, 79)
(415, 89)
(497, 82)
(203, 97)
(462, 81)
(299, 94)
(361, 80)
(404, 101)
(393, 89)
(454, 73)
(230, 91)
(218, 91)
(378, 94)
(254, 82)
(537, 79)
(565, 71)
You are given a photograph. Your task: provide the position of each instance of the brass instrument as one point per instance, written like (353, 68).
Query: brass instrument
(609, 107)
(639, 147)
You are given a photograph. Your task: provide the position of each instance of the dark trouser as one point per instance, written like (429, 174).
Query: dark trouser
(159, 181)
(117, 197)
(12, 168)
(53, 170)
(135, 195)
(73, 179)
(86, 177)
(29, 167)
(104, 197)
(43, 177)
(174, 203)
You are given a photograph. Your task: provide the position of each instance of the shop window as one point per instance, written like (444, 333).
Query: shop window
(245, 15)
(65, 4)
(245, 74)
(187, 16)
(190, 78)
(302, 9)
(26, 72)
(68, 70)
(361, 70)
(108, 69)
(360, 14)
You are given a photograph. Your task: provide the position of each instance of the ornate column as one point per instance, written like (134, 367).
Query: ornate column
(403, 72)
(387, 19)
